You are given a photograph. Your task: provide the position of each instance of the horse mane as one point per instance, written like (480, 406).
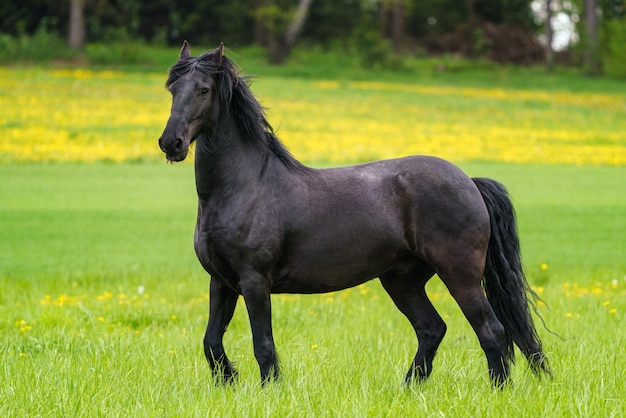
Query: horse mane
(234, 92)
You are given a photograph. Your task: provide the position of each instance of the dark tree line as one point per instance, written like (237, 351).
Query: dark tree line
(504, 30)
(241, 22)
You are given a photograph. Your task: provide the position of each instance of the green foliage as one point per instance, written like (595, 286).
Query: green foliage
(613, 40)
(113, 54)
(372, 50)
(19, 18)
(233, 22)
(274, 18)
(43, 45)
(516, 12)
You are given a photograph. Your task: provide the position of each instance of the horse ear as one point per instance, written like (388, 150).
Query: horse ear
(220, 53)
(185, 51)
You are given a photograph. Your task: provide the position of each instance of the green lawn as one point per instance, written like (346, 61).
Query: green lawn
(103, 307)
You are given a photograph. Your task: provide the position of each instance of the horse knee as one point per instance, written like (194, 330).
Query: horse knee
(440, 330)
(432, 335)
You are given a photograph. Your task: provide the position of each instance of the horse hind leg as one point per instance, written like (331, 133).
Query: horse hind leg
(409, 295)
(465, 287)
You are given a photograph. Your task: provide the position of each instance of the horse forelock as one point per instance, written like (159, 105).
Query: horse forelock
(186, 65)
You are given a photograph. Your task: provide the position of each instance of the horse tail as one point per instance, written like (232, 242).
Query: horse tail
(505, 284)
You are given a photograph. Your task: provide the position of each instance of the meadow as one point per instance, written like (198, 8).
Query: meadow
(83, 115)
(103, 304)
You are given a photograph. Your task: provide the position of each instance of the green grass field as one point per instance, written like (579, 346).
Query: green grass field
(103, 308)
(103, 304)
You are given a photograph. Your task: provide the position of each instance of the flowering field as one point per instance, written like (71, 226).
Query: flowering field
(103, 304)
(82, 115)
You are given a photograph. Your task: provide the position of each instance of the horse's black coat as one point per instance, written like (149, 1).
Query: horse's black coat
(268, 224)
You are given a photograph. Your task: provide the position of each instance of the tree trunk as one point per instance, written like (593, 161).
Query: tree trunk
(397, 26)
(280, 43)
(261, 33)
(471, 49)
(76, 33)
(549, 52)
(592, 63)
(383, 12)
(297, 23)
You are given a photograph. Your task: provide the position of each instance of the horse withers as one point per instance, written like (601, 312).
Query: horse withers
(269, 224)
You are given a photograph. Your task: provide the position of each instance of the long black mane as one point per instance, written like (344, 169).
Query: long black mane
(235, 95)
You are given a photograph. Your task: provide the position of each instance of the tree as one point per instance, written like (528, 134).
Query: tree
(591, 57)
(612, 37)
(282, 26)
(76, 30)
(392, 22)
(549, 52)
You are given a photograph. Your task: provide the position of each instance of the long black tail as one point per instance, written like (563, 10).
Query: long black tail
(504, 281)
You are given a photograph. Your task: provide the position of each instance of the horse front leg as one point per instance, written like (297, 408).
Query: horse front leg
(256, 292)
(223, 301)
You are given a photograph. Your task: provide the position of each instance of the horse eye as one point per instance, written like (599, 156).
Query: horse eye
(204, 90)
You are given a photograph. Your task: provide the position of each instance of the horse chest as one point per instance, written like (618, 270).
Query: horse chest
(227, 244)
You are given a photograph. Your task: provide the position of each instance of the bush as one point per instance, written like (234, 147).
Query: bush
(41, 46)
(114, 53)
(612, 47)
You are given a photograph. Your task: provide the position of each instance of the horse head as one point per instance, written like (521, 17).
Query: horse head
(192, 83)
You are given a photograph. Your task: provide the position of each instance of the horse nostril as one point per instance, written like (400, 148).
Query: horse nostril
(171, 146)
(178, 145)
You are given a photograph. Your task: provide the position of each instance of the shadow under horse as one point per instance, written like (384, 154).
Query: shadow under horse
(268, 224)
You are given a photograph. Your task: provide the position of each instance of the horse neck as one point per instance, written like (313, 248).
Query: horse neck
(226, 161)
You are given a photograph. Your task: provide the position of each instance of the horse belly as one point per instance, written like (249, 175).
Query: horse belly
(320, 282)
(331, 268)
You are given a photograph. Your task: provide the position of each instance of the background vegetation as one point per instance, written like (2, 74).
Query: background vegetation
(590, 33)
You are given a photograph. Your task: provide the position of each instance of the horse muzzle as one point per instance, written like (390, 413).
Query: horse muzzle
(175, 149)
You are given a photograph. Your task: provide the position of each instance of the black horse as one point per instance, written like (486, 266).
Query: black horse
(268, 224)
